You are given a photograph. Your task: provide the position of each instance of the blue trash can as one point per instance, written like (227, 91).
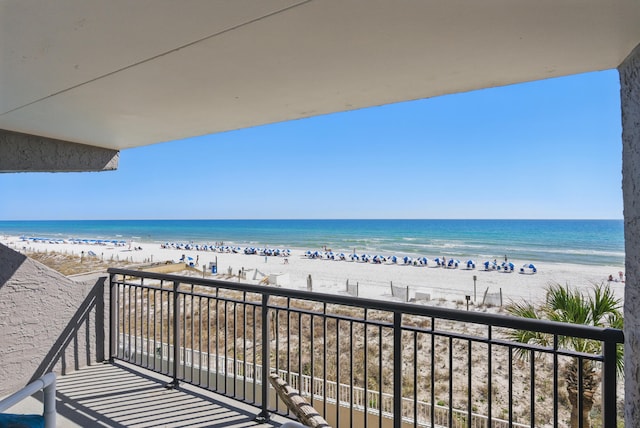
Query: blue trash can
(214, 269)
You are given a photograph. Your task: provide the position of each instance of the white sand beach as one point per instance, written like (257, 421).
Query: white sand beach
(330, 276)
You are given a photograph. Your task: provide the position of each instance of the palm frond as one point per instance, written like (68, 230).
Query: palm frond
(600, 308)
(602, 304)
(527, 310)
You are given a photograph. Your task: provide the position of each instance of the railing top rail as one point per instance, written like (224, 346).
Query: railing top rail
(496, 320)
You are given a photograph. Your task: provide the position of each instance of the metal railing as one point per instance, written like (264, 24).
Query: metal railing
(360, 362)
(46, 384)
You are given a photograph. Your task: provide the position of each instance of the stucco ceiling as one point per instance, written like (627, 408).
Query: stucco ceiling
(122, 73)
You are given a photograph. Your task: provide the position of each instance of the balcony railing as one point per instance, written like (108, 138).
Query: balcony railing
(360, 362)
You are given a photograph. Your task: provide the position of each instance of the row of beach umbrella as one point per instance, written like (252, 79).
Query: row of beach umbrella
(418, 261)
(379, 259)
(115, 242)
(281, 252)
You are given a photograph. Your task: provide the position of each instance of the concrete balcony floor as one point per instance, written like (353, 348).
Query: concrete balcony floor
(121, 395)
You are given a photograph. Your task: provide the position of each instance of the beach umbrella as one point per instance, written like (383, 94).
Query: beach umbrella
(490, 265)
(394, 259)
(471, 264)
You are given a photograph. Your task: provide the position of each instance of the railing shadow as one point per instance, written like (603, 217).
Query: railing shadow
(118, 396)
(79, 324)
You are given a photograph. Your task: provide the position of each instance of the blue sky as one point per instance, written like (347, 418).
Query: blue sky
(547, 149)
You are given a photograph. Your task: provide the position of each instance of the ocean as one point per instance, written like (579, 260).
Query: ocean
(592, 242)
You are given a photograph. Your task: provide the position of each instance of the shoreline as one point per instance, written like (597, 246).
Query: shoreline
(331, 276)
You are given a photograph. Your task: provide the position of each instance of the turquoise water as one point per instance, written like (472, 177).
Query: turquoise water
(595, 242)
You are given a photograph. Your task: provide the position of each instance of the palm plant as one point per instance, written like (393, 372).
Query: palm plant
(601, 309)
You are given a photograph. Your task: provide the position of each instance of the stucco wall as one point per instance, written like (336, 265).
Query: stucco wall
(630, 101)
(47, 321)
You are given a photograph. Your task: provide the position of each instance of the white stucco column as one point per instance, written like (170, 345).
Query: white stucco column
(630, 102)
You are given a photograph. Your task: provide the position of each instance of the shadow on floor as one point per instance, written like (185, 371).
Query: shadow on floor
(118, 395)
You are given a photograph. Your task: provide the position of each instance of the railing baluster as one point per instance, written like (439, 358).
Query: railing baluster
(244, 345)
(450, 404)
(225, 339)
(255, 341)
(176, 335)
(397, 368)
(580, 392)
(127, 311)
(350, 373)
(609, 377)
(209, 342)
(217, 351)
(469, 383)
(532, 390)
(433, 372)
(155, 325)
(235, 347)
(555, 381)
(366, 367)
(510, 386)
(192, 333)
(288, 330)
(264, 416)
(415, 379)
(113, 317)
(324, 360)
(337, 324)
(380, 409)
(300, 370)
(200, 341)
(162, 294)
(489, 375)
